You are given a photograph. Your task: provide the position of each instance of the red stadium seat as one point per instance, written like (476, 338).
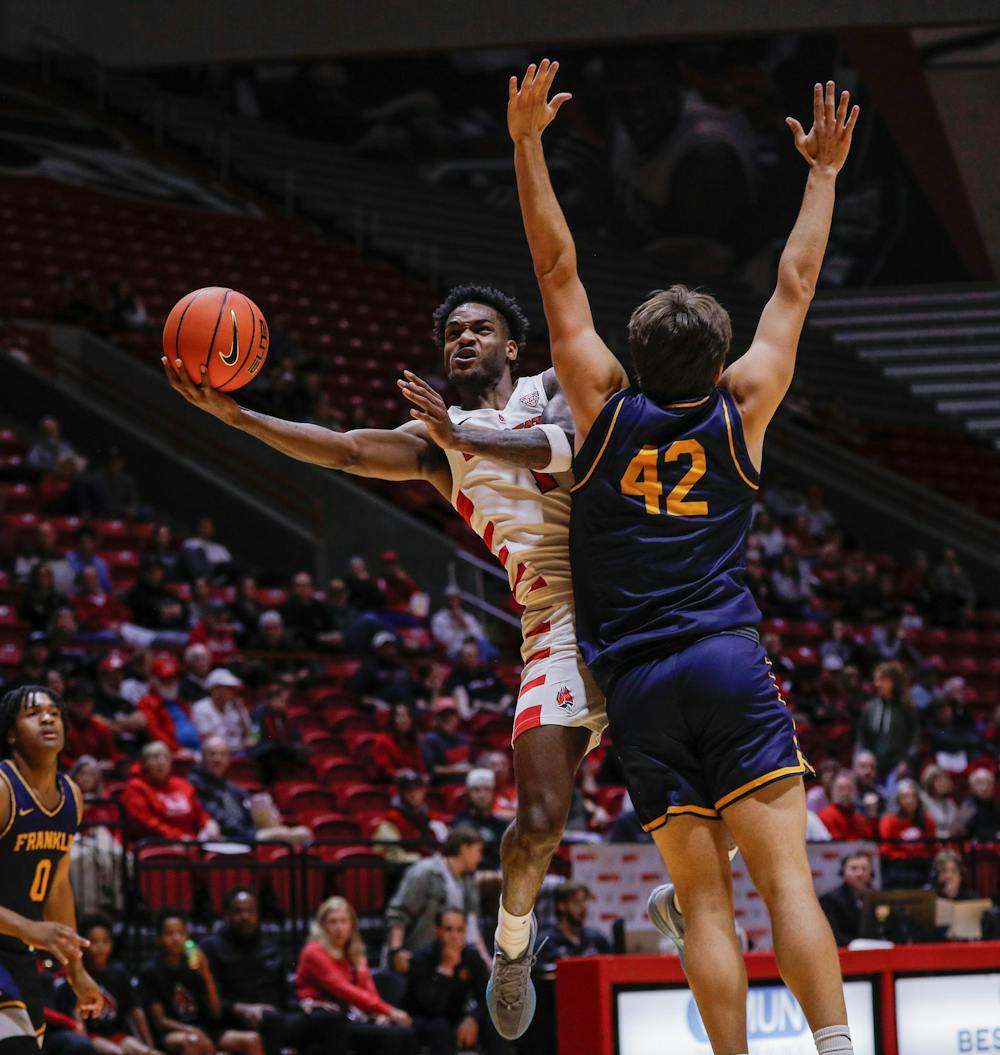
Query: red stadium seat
(363, 798)
(164, 874)
(358, 874)
(336, 826)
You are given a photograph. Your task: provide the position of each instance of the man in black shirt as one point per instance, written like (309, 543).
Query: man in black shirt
(253, 984)
(475, 685)
(570, 936)
(383, 679)
(307, 617)
(842, 905)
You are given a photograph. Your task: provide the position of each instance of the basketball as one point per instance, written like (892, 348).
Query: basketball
(221, 329)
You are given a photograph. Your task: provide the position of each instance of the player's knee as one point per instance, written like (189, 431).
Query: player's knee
(540, 823)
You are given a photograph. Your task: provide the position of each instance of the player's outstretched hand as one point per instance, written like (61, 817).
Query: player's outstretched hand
(828, 141)
(201, 395)
(89, 999)
(62, 941)
(529, 110)
(429, 408)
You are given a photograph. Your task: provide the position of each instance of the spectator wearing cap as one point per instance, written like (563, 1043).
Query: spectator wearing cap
(889, 727)
(396, 584)
(363, 589)
(408, 820)
(127, 722)
(308, 618)
(238, 815)
(40, 600)
(153, 606)
(979, 814)
(570, 936)
(168, 718)
(160, 804)
(85, 555)
(452, 625)
(86, 733)
(841, 818)
(197, 666)
(480, 785)
(446, 751)
(475, 685)
(383, 679)
(214, 632)
(398, 747)
(222, 712)
(202, 556)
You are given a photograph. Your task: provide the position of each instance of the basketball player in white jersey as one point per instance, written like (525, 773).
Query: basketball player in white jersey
(502, 457)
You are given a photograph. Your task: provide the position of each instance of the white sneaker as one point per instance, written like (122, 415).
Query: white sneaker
(666, 917)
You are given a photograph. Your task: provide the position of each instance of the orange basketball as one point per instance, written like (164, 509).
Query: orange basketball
(221, 329)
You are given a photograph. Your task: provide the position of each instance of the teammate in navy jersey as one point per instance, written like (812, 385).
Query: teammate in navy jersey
(40, 810)
(666, 473)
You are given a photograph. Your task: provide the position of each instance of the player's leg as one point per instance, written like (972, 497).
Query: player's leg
(769, 826)
(240, 1042)
(695, 851)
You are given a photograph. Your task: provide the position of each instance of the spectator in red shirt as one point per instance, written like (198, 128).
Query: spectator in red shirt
(396, 584)
(98, 613)
(905, 861)
(332, 969)
(841, 817)
(215, 633)
(160, 804)
(397, 748)
(168, 717)
(86, 733)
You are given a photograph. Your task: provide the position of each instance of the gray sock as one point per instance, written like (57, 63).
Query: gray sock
(833, 1040)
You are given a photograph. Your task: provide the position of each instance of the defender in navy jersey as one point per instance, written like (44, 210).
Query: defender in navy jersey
(666, 472)
(40, 811)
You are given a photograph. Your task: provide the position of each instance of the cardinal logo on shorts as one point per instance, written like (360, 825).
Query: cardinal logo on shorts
(564, 698)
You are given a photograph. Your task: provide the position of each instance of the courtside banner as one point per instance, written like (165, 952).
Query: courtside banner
(948, 1014)
(667, 1022)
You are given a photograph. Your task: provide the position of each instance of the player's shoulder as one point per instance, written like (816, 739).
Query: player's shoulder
(76, 794)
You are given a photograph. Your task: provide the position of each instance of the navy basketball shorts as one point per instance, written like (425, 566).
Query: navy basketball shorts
(21, 990)
(702, 728)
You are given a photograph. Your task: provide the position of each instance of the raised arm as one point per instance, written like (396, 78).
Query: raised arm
(759, 380)
(588, 372)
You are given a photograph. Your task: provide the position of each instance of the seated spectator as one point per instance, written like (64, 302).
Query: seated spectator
(890, 641)
(364, 592)
(397, 586)
(333, 969)
(951, 592)
(121, 1028)
(768, 537)
(356, 630)
(63, 632)
(841, 643)
(452, 625)
(38, 658)
(307, 618)
(162, 547)
(951, 732)
(214, 632)
(889, 727)
(168, 717)
(41, 600)
(181, 998)
(445, 991)
(865, 770)
(116, 488)
(505, 787)
(480, 787)
(137, 675)
(409, 820)
(569, 935)
(49, 446)
(979, 814)
(85, 555)
(818, 795)
(939, 802)
(906, 822)
(864, 599)
(841, 818)
(791, 587)
(230, 806)
(911, 583)
(843, 905)
(222, 712)
(202, 557)
(245, 610)
(949, 878)
(127, 722)
(271, 634)
(41, 547)
(197, 666)
(475, 686)
(820, 520)
(127, 310)
(279, 742)
(160, 804)
(398, 747)
(99, 614)
(86, 733)
(153, 606)
(445, 749)
(249, 970)
(445, 880)
(383, 678)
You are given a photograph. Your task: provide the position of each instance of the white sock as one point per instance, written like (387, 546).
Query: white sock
(512, 932)
(833, 1040)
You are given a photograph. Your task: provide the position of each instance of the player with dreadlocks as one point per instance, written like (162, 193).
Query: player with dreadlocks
(40, 811)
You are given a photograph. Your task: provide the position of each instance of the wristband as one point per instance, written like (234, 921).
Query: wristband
(562, 453)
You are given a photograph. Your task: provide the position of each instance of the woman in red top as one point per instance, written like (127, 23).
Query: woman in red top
(159, 804)
(906, 863)
(333, 969)
(398, 748)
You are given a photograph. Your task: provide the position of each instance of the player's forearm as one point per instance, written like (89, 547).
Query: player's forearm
(802, 257)
(300, 440)
(549, 238)
(524, 448)
(14, 925)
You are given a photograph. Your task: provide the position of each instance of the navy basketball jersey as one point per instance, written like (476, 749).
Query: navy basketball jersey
(31, 846)
(660, 515)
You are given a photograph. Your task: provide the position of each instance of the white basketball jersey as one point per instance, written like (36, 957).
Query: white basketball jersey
(522, 515)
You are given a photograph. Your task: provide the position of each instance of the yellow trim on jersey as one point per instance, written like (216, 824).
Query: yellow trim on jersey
(78, 796)
(37, 800)
(13, 1003)
(604, 447)
(13, 807)
(695, 403)
(673, 811)
(767, 778)
(732, 448)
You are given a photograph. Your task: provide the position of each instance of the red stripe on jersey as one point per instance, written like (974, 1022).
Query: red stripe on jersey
(542, 653)
(533, 684)
(488, 534)
(521, 569)
(503, 555)
(529, 718)
(542, 628)
(463, 503)
(537, 584)
(468, 457)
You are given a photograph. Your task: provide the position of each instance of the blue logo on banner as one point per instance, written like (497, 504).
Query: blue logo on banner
(772, 1012)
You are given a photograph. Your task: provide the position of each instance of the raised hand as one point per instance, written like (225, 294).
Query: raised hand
(429, 408)
(201, 395)
(529, 110)
(828, 141)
